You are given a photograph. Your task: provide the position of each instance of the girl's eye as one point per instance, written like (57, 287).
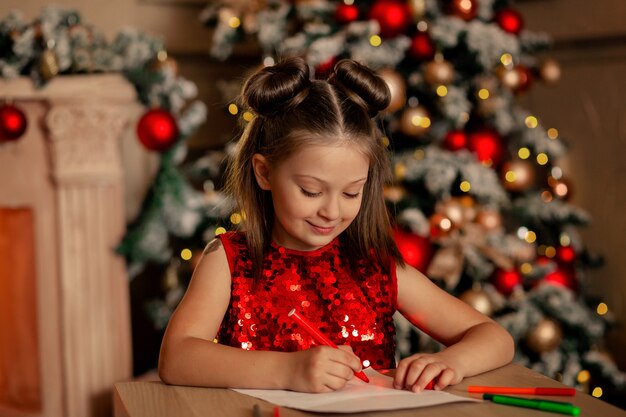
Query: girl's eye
(349, 195)
(308, 193)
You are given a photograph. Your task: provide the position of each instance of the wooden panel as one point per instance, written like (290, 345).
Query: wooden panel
(566, 20)
(19, 350)
(589, 110)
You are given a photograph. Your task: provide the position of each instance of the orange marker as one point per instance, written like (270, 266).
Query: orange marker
(319, 337)
(522, 390)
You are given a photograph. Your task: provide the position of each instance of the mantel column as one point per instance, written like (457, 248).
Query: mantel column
(95, 317)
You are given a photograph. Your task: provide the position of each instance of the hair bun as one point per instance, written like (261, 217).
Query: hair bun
(277, 88)
(372, 91)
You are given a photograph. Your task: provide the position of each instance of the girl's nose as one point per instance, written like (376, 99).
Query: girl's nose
(330, 208)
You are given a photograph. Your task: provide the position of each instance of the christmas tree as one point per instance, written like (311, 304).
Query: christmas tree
(480, 199)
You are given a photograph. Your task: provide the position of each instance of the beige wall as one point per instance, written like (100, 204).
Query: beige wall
(587, 106)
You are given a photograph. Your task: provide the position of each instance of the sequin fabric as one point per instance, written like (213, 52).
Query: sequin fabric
(353, 309)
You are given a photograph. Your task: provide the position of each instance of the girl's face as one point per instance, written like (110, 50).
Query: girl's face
(316, 193)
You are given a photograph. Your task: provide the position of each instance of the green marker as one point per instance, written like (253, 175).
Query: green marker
(545, 405)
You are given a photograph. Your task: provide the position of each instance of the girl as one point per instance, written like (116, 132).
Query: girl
(308, 174)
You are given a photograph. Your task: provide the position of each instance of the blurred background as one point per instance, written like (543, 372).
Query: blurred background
(507, 133)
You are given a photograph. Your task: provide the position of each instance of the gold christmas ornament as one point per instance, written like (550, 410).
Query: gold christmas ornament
(440, 225)
(48, 64)
(394, 193)
(550, 71)
(489, 219)
(439, 72)
(545, 336)
(479, 300)
(418, 9)
(468, 205)
(509, 77)
(465, 9)
(415, 121)
(164, 63)
(453, 210)
(517, 175)
(397, 87)
(560, 188)
(447, 266)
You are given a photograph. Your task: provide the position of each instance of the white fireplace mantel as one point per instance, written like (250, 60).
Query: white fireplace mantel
(68, 169)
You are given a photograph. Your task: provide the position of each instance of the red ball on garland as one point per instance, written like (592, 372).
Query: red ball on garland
(505, 281)
(565, 254)
(487, 145)
(510, 21)
(157, 130)
(563, 276)
(455, 140)
(346, 13)
(13, 123)
(415, 250)
(393, 16)
(465, 9)
(422, 47)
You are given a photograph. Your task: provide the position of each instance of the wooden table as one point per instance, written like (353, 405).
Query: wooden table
(155, 399)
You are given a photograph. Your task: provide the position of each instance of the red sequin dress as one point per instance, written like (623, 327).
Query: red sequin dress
(354, 309)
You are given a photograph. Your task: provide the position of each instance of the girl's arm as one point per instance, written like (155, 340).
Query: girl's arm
(474, 342)
(190, 357)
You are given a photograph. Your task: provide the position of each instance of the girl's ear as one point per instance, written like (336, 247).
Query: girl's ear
(261, 168)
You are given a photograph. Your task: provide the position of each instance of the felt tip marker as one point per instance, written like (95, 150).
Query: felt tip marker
(522, 390)
(552, 406)
(319, 337)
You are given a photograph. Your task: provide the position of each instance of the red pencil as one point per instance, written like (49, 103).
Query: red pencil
(522, 390)
(319, 337)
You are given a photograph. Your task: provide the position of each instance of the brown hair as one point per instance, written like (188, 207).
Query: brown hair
(292, 111)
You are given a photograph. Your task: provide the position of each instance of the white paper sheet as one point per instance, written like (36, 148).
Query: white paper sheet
(357, 396)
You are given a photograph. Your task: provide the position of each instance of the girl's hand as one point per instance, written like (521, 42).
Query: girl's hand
(416, 371)
(322, 369)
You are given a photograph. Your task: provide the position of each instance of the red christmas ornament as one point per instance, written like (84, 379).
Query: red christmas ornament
(510, 21)
(13, 123)
(506, 281)
(346, 13)
(455, 140)
(157, 130)
(487, 145)
(562, 276)
(525, 79)
(393, 16)
(422, 47)
(323, 70)
(416, 250)
(440, 225)
(565, 254)
(465, 9)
